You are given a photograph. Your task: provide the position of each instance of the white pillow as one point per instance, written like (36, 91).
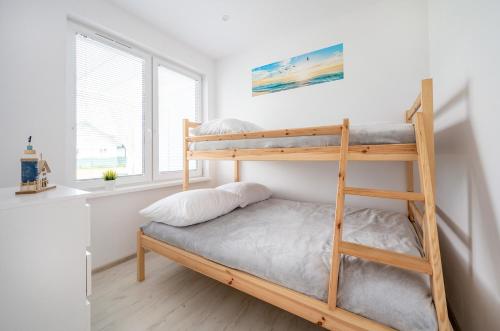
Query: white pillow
(225, 125)
(248, 192)
(191, 207)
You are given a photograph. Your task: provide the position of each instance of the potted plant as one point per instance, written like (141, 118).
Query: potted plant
(109, 177)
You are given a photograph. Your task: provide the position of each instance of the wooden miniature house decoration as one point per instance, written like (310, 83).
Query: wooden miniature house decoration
(34, 172)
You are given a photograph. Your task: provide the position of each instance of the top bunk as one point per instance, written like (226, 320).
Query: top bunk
(313, 143)
(377, 142)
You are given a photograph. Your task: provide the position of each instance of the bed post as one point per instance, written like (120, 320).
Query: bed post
(236, 174)
(409, 179)
(431, 231)
(339, 218)
(185, 161)
(140, 258)
(428, 119)
(425, 102)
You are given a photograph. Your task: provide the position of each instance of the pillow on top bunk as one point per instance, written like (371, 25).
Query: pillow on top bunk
(247, 192)
(191, 207)
(225, 125)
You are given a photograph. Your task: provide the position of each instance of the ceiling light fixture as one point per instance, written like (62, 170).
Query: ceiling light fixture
(225, 18)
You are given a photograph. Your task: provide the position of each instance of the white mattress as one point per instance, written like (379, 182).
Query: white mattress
(374, 134)
(290, 243)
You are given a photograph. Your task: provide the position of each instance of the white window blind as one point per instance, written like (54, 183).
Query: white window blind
(110, 105)
(178, 98)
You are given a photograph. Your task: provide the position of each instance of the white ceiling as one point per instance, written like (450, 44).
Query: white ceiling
(199, 23)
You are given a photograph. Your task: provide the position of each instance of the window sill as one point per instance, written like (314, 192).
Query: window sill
(143, 187)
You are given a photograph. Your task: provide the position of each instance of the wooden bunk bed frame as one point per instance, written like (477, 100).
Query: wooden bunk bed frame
(327, 314)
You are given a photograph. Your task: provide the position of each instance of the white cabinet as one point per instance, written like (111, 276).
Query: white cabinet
(44, 265)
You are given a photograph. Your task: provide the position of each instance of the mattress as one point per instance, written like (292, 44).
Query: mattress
(290, 243)
(374, 134)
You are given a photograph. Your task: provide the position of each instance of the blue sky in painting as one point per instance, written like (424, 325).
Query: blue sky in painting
(317, 55)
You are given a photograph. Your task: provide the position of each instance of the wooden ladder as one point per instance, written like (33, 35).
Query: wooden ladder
(430, 263)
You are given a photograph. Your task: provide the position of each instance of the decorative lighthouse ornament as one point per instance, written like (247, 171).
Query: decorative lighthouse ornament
(34, 172)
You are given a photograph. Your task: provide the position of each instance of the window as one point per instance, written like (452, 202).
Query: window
(177, 98)
(109, 110)
(128, 110)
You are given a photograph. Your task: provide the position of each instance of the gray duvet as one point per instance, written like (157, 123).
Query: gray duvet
(374, 134)
(289, 243)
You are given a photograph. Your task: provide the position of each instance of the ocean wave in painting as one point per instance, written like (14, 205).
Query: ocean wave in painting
(324, 65)
(274, 87)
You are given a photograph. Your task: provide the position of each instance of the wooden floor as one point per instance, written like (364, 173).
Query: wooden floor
(175, 298)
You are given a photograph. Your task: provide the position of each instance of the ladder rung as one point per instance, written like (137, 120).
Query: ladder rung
(373, 254)
(384, 194)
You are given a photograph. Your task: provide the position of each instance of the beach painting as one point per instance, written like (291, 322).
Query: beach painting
(321, 66)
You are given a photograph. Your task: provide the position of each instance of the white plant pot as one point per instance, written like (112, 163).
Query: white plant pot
(110, 185)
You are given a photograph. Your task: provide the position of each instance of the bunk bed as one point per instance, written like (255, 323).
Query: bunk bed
(414, 142)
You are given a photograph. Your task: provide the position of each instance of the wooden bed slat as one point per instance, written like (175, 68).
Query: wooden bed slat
(367, 192)
(311, 131)
(385, 152)
(390, 152)
(268, 154)
(378, 255)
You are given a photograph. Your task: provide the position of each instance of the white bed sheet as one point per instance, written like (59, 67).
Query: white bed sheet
(373, 134)
(290, 243)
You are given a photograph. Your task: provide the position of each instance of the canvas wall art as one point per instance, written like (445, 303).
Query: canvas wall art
(321, 66)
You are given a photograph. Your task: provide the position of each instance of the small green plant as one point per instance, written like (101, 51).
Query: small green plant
(109, 175)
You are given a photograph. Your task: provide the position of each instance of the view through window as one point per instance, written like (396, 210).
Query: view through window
(109, 108)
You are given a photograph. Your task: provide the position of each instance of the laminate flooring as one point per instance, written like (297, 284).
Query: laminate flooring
(176, 298)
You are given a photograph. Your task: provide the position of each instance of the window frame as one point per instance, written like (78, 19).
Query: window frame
(151, 173)
(171, 175)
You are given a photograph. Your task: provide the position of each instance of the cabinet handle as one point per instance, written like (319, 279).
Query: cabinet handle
(88, 256)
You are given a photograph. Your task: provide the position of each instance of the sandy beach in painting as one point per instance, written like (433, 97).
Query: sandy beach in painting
(316, 67)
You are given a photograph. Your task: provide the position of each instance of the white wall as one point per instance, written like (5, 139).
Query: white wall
(464, 59)
(33, 99)
(385, 57)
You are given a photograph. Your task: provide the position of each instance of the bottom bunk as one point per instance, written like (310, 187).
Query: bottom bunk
(289, 243)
